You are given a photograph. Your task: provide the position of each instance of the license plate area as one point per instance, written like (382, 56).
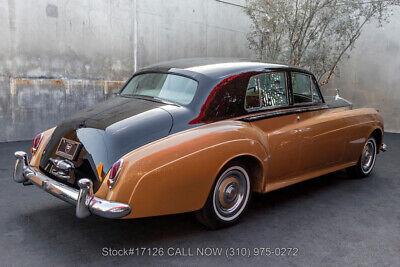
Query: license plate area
(68, 149)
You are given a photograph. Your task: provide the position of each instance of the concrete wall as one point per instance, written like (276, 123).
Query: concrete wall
(371, 76)
(195, 28)
(59, 56)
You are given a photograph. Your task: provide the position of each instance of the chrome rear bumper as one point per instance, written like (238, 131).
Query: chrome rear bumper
(84, 200)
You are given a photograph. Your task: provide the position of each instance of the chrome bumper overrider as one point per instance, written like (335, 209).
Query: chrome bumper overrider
(84, 200)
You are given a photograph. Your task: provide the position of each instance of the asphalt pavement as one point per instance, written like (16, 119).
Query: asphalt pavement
(332, 220)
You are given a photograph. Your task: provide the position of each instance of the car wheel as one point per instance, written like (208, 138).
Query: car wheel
(228, 198)
(366, 162)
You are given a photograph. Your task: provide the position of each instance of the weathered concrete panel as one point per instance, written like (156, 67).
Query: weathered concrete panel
(59, 51)
(87, 39)
(195, 28)
(33, 105)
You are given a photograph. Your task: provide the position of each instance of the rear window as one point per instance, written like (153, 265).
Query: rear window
(170, 87)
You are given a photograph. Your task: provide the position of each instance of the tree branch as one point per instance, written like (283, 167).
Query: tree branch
(351, 42)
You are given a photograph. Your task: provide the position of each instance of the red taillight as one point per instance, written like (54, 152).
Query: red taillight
(36, 142)
(114, 172)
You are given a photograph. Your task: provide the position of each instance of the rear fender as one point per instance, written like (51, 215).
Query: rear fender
(36, 157)
(176, 173)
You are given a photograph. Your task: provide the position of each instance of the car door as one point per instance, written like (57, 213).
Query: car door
(268, 99)
(323, 137)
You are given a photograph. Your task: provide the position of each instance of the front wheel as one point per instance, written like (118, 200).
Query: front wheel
(228, 199)
(366, 163)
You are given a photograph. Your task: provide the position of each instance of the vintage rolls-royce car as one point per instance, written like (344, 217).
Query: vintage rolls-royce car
(200, 135)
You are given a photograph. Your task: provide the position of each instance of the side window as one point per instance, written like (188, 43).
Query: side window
(315, 94)
(301, 84)
(252, 99)
(266, 90)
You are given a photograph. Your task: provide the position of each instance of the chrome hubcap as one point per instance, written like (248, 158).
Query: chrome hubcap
(368, 156)
(231, 193)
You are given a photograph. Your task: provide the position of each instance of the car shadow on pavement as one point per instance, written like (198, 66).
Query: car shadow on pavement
(298, 191)
(50, 225)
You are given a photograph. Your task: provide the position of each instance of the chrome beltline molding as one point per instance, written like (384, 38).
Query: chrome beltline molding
(84, 200)
(278, 113)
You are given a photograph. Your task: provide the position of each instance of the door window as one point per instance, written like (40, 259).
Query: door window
(305, 89)
(266, 90)
(301, 84)
(315, 93)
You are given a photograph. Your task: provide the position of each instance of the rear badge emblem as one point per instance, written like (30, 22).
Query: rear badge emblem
(68, 148)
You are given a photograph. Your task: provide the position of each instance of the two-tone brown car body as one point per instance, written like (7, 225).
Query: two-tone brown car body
(201, 135)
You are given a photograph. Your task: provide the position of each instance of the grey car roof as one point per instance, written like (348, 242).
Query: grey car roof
(216, 67)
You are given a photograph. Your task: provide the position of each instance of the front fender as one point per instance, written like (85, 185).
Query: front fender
(176, 173)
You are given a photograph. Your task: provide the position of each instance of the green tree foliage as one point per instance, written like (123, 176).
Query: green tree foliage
(315, 34)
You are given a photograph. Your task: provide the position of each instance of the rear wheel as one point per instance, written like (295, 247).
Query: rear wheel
(366, 162)
(228, 199)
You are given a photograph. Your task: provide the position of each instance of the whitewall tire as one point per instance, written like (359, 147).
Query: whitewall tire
(228, 198)
(366, 162)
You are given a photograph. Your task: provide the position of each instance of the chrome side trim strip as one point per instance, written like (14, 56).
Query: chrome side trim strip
(278, 113)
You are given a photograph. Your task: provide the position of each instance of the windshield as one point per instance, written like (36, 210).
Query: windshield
(165, 86)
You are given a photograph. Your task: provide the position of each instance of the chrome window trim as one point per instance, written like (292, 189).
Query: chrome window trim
(314, 81)
(291, 104)
(284, 112)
